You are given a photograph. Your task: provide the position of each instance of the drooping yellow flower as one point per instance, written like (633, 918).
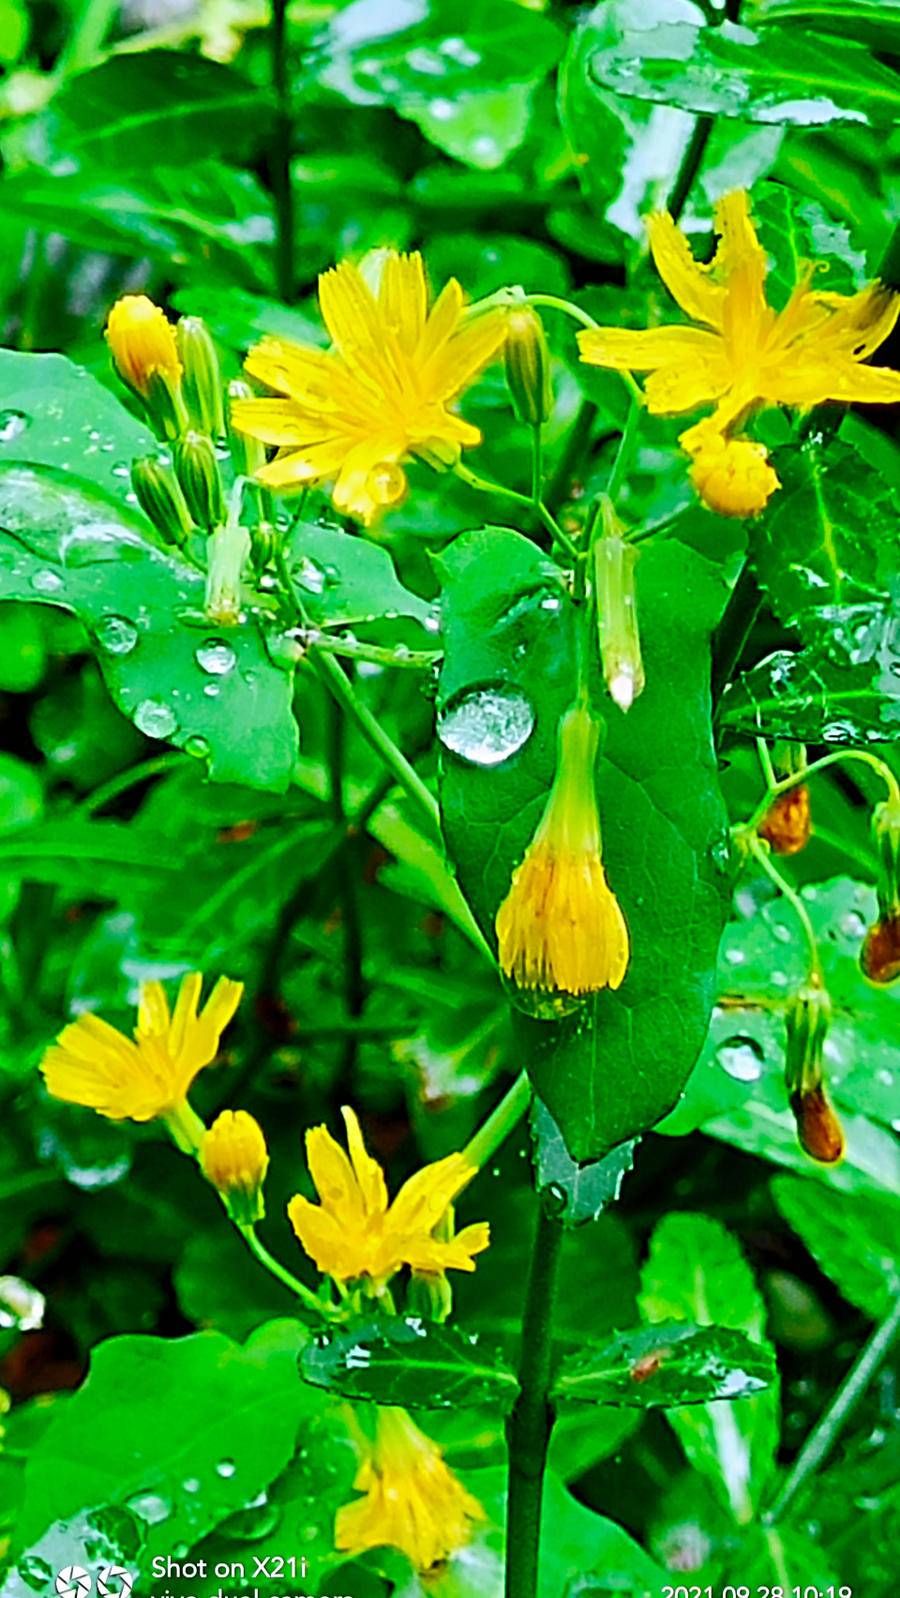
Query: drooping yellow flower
(413, 1501)
(93, 1064)
(742, 354)
(353, 1232)
(234, 1158)
(381, 393)
(142, 341)
(560, 928)
(731, 475)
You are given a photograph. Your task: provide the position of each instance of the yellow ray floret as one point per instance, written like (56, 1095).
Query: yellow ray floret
(560, 927)
(93, 1064)
(412, 1501)
(354, 1232)
(142, 342)
(381, 394)
(743, 354)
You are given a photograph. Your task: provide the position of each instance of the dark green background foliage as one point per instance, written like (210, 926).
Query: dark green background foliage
(179, 796)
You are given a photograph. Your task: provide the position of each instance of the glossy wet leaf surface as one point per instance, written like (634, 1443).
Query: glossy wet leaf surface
(671, 1363)
(411, 1362)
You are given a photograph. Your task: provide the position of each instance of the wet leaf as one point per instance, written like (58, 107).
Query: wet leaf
(853, 1239)
(574, 1193)
(670, 1363)
(409, 1361)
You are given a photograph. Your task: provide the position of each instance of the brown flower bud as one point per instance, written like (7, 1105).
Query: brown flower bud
(787, 824)
(880, 954)
(819, 1132)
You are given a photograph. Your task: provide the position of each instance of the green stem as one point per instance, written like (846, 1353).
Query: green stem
(761, 855)
(555, 303)
(350, 649)
(537, 467)
(503, 1118)
(347, 874)
(86, 36)
(785, 783)
(530, 1424)
(690, 165)
(280, 154)
(116, 786)
(305, 1294)
(625, 452)
(827, 1429)
(733, 632)
(549, 520)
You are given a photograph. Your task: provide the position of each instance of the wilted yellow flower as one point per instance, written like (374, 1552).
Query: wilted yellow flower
(382, 392)
(413, 1501)
(787, 824)
(354, 1232)
(93, 1064)
(234, 1157)
(142, 342)
(731, 475)
(560, 927)
(743, 354)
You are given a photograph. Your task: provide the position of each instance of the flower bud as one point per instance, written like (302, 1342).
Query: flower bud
(161, 499)
(808, 1018)
(731, 475)
(439, 453)
(880, 955)
(527, 363)
(819, 1132)
(227, 549)
(248, 454)
(142, 341)
(787, 823)
(620, 645)
(202, 376)
(234, 1158)
(198, 474)
(165, 404)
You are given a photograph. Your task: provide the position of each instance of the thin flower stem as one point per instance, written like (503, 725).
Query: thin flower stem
(625, 452)
(761, 855)
(537, 467)
(280, 154)
(555, 303)
(116, 786)
(829, 1425)
(783, 784)
(690, 165)
(502, 1120)
(86, 36)
(305, 1294)
(733, 632)
(530, 1424)
(483, 486)
(378, 655)
(765, 760)
(575, 447)
(348, 868)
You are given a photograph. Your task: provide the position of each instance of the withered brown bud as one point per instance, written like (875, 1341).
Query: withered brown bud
(819, 1132)
(880, 953)
(787, 823)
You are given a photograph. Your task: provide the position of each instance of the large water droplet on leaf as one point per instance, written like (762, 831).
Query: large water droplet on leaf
(741, 1058)
(116, 635)
(486, 725)
(215, 657)
(155, 718)
(46, 582)
(12, 425)
(151, 1507)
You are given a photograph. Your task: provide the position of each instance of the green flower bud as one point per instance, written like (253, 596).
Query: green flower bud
(620, 645)
(227, 551)
(527, 362)
(808, 1018)
(198, 473)
(247, 453)
(886, 837)
(202, 376)
(165, 402)
(161, 499)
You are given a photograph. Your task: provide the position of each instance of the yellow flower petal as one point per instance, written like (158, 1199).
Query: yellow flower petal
(740, 262)
(644, 350)
(689, 283)
(153, 1009)
(273, 421)
(424, 1198)
(368, 1172)
(334, 1177)
(403, 298)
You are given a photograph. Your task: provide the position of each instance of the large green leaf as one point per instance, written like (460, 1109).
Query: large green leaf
(696, 1272)
(672, 1363)
(776, 75)
(843, 690)
(616, 1066)
(182, 1432)
(409, 1361)
(853, 1238)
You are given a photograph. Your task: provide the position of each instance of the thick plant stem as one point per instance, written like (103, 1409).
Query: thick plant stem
(825, 1433)
(531, 1422)
(280, 155)
(733, 632)
(690, 166)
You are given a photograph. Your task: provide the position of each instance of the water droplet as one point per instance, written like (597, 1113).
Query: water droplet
(540, 1003)
(742, 1058)
(226, 1468)
(46, 582)
(853, 924)
(486, 725)
(151, 1507)
(197, 745)
(155, 718)
(116, 634)
(12, 425)
(309, 575)
(35, 1571)
(215, 657)
(101, 543)
(192, 1484)
(21, 1305)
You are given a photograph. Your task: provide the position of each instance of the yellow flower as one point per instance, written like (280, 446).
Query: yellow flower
(354, 1232)
(234, 1158)
(743, 354)
(379, 395)
(142, 342)
(560, 927)
(413, 1501)
(731, 475)
(93, 1064)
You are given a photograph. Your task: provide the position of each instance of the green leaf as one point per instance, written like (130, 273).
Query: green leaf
(853, 1239)
(670, 1363)
(178, 678)
(93, 1539)
(480, 129)
(843, 692)
(345, 579)
(696, 1272)
(877, 22)
(409, 1361)
(106, 858)
(57, 415)
(180, 1431)
(794, 231)
(615, 1067)
(576, 1193)
(778, 75)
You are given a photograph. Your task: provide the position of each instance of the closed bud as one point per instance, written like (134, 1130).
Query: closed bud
(202, 376)
(880, 954)
(262, 544)
(819, 1132)
(227, 550)
(620, 645)
(430, 1293)
(787, 824)
(248, 454)
(198, 474)
(808, 1018)
(234, 1158)
(165, 404)
(527, 361)
(142, 341)
(161, 499)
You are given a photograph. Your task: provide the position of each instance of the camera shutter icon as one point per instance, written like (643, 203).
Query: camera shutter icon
(73, 1582)
(114, 1582)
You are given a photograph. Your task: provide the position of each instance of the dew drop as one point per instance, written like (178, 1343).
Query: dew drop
(741, 1058)
(853, 924)
(309, 575)
(151, 1507)
(155, 718)
(116, 634)
(21, 1305)
(486, 725)
(12, 425)
(46, 582)
(226, 1469)
(197, 745)
(215, 657)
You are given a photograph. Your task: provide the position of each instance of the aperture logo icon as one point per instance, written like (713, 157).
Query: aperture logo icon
(113, 1581)
(73, 1582)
